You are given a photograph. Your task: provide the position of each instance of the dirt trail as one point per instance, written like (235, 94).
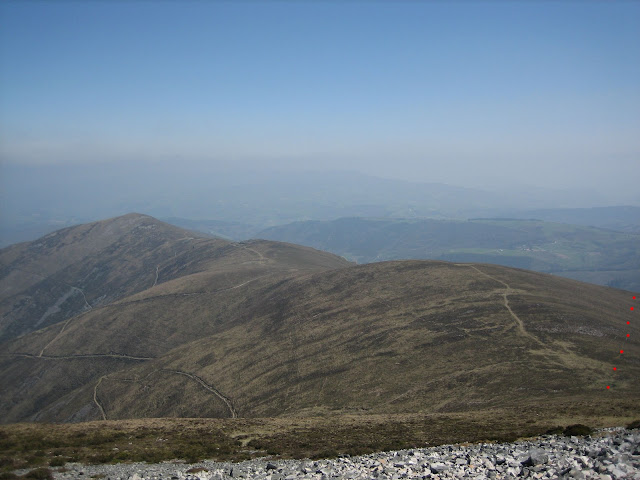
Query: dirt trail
(89, 307)
(261, 258)
(212, 389)
(155, 282)
(95, 397)
(147, 299)
(77, 289)
(505, 296)
(74, 357)
(56, 337)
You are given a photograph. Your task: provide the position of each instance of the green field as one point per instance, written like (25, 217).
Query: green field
(594, 255)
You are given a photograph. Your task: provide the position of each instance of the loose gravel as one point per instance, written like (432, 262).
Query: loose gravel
(607, 455)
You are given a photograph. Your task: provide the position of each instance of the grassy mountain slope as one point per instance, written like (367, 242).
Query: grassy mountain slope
(584, 253)
(252, 336)
(78, 268)
(189, 292)
(407, 337)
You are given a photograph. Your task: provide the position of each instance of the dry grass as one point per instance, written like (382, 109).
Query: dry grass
(155, 440)
(421, 337)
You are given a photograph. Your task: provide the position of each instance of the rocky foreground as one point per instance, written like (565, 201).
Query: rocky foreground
(610, 454)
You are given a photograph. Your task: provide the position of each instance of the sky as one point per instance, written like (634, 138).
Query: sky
(465, 93)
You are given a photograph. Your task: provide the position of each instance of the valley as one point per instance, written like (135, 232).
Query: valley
(285, 349)
(319, 240)
(589, 254)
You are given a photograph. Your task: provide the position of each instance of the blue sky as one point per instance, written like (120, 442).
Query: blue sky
(468, 93)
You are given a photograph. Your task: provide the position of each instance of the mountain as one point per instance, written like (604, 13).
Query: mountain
(620, 218)
(271, 329)
(38, 199)
(216, 228)
(583, 253)
(78, 269)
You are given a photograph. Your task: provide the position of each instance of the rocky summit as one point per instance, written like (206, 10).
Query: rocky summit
(607, 455)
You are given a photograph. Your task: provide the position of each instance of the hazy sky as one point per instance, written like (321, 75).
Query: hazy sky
(467, 93)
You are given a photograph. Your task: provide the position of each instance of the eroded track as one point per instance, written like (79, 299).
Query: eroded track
(211, 388)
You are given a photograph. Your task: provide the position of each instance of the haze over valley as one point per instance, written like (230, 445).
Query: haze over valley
(264, 230)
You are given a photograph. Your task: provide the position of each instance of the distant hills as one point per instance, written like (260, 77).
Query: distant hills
(216, 228)
(589, 254)
(212, 328)
(621, 218)
(40, 199)
(78, 269)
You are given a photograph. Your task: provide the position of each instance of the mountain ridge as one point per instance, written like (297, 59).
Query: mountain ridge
(266, 329)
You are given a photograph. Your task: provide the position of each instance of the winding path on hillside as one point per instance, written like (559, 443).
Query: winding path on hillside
(211, 388)
(77, 289)
(79, 356)
(57, 335)
(148, 299)
(226, 400)
(261, 258)
(95, 397)
(155, 282)
(505, 296)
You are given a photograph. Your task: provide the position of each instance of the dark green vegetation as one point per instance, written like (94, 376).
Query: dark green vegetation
(40, 473)
(623, 219)
(588, 254)
(278, 338)
(152, 440)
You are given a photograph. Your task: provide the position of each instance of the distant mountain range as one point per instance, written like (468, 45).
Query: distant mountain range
(134, 318)
(40, 199)
(621, 218)
(589, 254)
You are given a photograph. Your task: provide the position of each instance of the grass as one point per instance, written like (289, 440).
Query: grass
(31, 446)
(388, 338)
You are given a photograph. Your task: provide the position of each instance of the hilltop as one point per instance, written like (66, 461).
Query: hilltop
(78, 269)
(267, 329)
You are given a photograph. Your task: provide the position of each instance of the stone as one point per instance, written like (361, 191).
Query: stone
(536, 457)
(438, 467)
(618, 473)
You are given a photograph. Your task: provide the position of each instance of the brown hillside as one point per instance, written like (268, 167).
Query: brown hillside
(263, 335)
(78, 269)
